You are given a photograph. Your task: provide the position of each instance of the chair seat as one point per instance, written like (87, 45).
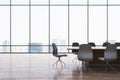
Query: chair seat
(101, 58)
(61, 55)
(75, 53)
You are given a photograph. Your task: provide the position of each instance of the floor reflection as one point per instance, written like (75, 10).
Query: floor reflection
(39, 67)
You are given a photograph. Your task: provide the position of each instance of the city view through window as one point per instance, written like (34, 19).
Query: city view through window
(33, 25)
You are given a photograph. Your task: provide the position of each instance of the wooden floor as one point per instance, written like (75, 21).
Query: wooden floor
(39, 67)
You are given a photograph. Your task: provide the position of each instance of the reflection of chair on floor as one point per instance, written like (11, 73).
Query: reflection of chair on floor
(75, 44)
(110, 54)
(55, 53)
(85, 55)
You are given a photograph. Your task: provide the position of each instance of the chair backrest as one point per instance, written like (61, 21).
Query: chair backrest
(110, 52)
(75, 44)
(55, 50)
(105, 43)
(117, 43)
(91, 43)
(85, 52)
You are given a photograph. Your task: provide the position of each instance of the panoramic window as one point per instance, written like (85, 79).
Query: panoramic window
(33, 25)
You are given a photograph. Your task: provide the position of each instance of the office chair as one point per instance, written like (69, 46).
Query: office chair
(92, 44)
(75, 44)
(55, 53)
(105, 44)
(110, 54)
(85, 55)
(117, 43)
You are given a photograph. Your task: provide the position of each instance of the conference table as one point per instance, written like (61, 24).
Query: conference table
(93, 48)
(98, 51)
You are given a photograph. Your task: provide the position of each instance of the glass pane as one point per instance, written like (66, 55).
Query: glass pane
(78, 1)
(39, 1)
(114, 23)
(38, 48)
(39, 25)
(20, 1)
(114, 1)
(59, 25)
(4, 25)
(60, 49)
(97, 24)
(4, 49)
(78, 24)
(97, 1)
(4, 1)
(20, 25)
(20, 49)
(58, 1)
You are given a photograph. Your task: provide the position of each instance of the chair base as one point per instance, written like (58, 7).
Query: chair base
(75, 60)
(61, 62)
(108, 66)
(85, 66)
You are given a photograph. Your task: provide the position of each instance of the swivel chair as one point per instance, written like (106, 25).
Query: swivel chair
(75, 44)
(110, 54)
(92, 44)
(85, 55)
(117, 43)
(105, 44)
(55, 53)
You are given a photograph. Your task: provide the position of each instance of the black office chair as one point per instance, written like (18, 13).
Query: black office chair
(92, 44)
(105, 44)
(75, 44)
(85, 54)
(117, 43)
(110, 54)
(55, 53)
